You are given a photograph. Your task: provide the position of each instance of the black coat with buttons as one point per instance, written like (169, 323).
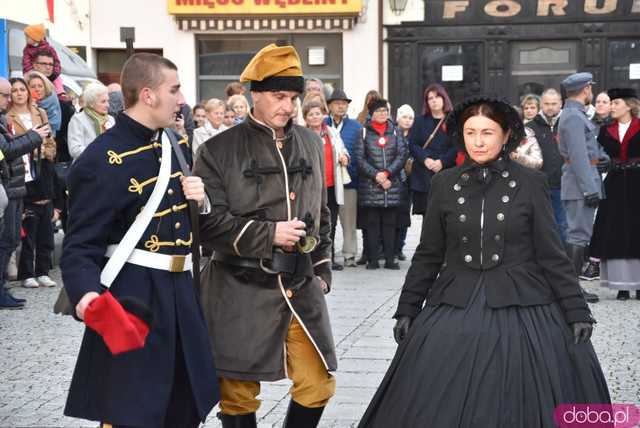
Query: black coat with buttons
(494, 221)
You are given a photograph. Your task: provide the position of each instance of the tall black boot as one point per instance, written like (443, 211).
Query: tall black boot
(299, 416)
(577, 259)
(238, 421)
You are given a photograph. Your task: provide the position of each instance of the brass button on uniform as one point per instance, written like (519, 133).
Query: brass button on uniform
(461, 200)
(175, 209)
(170, 191)
(495, 258)
(505, 199)
(500, 217)
(160, 159)
(292, 196)
(462, 218)
(512, 183)
(468, 258)
(289, 294)
(457, 187)
(505, 174)
(178, 225)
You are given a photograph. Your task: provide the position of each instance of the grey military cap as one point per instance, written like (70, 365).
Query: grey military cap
(577, 81)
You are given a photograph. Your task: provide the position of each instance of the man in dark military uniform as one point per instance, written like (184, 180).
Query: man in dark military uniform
(584, 159)
(171, 381)
(263, 293)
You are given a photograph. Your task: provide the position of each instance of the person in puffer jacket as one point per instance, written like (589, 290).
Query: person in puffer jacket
(381, 155)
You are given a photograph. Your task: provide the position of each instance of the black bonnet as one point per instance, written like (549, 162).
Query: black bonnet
(514, 122)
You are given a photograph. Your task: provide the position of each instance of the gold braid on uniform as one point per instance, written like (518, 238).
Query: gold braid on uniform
(137, 186)
(154, 244)
(174, 209)
(116, 158)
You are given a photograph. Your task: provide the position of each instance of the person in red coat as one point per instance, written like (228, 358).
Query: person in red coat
(617, 223)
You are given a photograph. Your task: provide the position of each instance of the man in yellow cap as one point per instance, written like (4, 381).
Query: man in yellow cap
(263, 293)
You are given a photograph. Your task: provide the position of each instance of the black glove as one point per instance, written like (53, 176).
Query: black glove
(604, 165)
(401, 328)
(581, 331)
(592, 200)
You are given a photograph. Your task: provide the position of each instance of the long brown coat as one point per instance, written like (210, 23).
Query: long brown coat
(253, 183)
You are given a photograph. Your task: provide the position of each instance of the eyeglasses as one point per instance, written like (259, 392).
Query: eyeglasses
(46, 64)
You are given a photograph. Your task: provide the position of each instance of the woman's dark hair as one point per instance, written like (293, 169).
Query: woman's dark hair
(24, 82)
(442, 93)
(497, 110)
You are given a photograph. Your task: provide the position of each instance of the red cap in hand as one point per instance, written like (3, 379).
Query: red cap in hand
(121, 330)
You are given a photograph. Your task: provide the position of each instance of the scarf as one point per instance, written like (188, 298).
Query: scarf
(99, 120)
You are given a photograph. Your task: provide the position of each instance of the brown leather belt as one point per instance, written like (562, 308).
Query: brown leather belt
(593, 162)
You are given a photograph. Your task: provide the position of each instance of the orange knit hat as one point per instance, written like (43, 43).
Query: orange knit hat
(36, 32)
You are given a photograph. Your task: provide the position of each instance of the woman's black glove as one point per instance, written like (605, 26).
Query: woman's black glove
(401, 328)
(581, 331)
(592, 200)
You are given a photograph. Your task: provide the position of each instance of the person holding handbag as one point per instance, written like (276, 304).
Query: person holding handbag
(429, 145)
(39, 211)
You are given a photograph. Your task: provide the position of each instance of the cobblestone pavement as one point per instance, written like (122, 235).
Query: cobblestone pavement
(38, 351)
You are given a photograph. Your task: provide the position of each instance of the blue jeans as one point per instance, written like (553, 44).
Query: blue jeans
(559, 213)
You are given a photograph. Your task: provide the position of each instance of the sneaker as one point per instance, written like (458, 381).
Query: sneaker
(591, 272)
(45, 281)
(30, 283)
(350, 262)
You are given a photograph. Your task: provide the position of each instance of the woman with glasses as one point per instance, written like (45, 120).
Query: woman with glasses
(380, 155)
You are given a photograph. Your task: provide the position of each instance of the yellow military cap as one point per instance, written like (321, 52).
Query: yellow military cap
(274, 68)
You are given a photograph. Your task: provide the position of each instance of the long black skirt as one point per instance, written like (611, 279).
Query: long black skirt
(484, 367)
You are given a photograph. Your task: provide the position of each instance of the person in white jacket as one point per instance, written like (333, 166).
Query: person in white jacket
(214, 116)
(336, 159)
(92, 121)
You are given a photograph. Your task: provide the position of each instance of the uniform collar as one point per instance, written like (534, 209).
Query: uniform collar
(471, 171)
(136, 128)
(256, 124)
(575, 105)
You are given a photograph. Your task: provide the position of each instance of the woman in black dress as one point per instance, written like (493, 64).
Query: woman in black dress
(504, 336)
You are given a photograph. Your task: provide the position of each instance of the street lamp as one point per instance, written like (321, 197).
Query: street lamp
(398, 6)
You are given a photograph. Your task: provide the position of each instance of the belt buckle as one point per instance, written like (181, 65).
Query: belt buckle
(177, 263)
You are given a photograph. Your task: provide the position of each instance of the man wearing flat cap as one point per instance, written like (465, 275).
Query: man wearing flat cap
(263, 292)
(584, 160)
(350, 131)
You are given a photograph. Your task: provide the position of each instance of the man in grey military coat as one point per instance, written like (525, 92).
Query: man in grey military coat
(584, 160)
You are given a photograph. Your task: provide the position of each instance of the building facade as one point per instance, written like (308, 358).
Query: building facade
(513, 47)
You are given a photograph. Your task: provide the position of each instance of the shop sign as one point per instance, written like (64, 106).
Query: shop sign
(264, 7)
(512, 11)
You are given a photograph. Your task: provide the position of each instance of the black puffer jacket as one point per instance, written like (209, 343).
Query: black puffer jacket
(13, 149)
(372, 158)
(552, 161)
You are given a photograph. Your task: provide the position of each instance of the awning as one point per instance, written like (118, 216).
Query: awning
(265, 23)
